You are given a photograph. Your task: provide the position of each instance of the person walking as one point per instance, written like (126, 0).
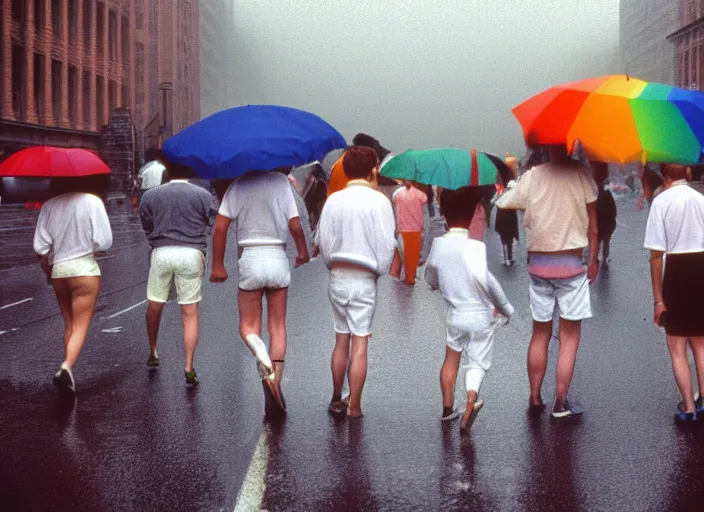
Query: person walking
(176, 217)
(506, 222)
(676, 228)
(72, 226)
(606, 211)
(409, 204)
(357, 244)
(555, 245)
(457, 266)
(263, 206)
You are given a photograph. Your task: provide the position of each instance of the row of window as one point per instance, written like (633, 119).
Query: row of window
(59, 82)
(19, 12)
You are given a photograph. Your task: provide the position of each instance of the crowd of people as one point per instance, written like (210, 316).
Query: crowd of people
(370, 226)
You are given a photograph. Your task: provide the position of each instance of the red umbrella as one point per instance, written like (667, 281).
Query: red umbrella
(50, 162)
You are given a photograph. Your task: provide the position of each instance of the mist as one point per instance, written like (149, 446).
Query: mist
(441, 73)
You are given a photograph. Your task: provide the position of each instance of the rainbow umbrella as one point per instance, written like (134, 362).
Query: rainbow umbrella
(448, 168)
(618, 119)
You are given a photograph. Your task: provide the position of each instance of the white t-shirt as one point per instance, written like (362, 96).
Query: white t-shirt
(676, 221)
(262, 203)
(457, 266)
(72, 226)
(555, 199)
(357, 226)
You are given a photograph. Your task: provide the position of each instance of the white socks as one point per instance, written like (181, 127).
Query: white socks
(473, 379)
(256, 345)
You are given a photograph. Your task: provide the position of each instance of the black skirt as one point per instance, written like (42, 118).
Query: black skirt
(683, 292)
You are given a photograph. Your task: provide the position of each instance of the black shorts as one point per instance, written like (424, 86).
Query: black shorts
(683, 284)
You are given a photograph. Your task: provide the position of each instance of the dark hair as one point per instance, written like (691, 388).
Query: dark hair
(362, 139)
(651, 178)
(674, 171)
(601, 171)
(359, 162)
(458, 206)
(96, 184)
(178, 171)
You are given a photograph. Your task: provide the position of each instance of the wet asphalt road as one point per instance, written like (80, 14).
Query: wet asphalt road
(135, 440)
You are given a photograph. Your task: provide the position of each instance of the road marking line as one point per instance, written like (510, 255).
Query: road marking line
(16, 303)
(251, 494)
(124, 311)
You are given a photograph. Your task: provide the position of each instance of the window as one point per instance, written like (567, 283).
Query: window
(112, 95)
(18, 78)
(39, 14)
(100, 26)
(125, 36)
(72, 20)
(87, 25)
(18, 11)
(56, 17)
(39, 86)
(100, 100)
(56, 87)
(112, 35)
(86, 101)
(73, 96)
(125, 96)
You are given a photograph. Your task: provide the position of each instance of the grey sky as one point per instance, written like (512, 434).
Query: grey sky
(419, 73)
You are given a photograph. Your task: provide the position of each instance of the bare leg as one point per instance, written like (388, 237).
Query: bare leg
(154, 310)
(84, 294)
(276, 301)
(338, 365)
(189, 316)
(358, 374)
(63, 297)
(448, 378)
(606, 249)
(697, 344)
(250, 308)
(680, 367)
(538, 358)
(570, 332)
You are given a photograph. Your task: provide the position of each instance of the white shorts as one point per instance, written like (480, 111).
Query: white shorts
(571, 294)
(477, 347)
(85, 266)
(264, 267)
(183, 265)
(352, 294)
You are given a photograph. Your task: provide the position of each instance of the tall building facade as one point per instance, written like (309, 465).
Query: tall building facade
(645, 52)
(217, 26)
(66, 65)
(688, 45)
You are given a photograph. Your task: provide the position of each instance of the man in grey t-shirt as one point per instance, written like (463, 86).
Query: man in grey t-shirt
(176, 217)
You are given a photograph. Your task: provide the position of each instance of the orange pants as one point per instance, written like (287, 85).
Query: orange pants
(412, 245)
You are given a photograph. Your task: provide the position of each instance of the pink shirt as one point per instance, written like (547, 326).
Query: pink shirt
(479, 224)
(408, 204)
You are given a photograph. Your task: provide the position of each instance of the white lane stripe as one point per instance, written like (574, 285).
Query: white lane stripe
(16, 303)
(124, 311)
(251, 494)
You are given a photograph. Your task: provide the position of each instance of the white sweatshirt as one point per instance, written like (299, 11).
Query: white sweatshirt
(71, 226)
(357, 226)
(457, 266)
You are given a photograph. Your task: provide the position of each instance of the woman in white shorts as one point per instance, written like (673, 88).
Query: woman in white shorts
(264, 209)
(72, 226)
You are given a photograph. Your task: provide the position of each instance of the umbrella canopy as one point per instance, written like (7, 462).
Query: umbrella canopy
(618, 119)
(448, 168)
(233, 142)
(51, 162)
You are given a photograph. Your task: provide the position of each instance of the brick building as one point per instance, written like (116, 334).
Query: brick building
(66, 65)
(688, 43)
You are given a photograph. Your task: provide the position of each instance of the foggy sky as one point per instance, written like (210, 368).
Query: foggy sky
(443, 73)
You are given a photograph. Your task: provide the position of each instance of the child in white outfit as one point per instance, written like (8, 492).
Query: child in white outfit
(477, 304)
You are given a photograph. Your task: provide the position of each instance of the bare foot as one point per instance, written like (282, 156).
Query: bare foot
(470, 414)
(354, 413)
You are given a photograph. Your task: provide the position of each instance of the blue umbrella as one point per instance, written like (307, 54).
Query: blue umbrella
(233, 142)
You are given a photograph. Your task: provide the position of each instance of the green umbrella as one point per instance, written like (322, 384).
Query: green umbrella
(448, 168)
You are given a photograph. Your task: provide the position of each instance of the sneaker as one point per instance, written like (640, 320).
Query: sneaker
(682, 416)
(153, 361)
(191, 378)
(565, 410)
(63, 379)
(452, 415)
